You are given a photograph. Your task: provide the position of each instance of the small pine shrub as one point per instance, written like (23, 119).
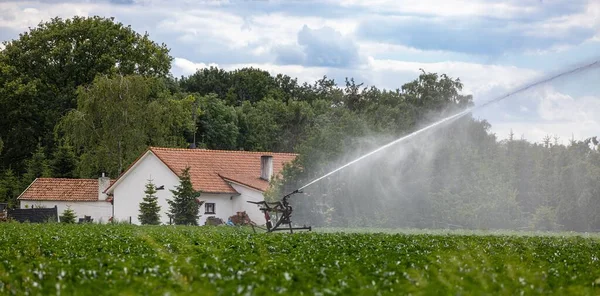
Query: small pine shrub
(68, 216)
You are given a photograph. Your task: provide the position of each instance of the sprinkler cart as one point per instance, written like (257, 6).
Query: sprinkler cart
(282, 210)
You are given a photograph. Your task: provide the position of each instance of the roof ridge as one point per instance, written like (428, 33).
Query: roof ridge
(61, 189)
(221, 150)
(236, 180)
(68, 179)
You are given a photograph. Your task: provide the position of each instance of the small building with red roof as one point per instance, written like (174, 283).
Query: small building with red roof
(226, 180)
(84, 196)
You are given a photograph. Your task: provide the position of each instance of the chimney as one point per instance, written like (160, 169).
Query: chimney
(103, 184)
(266, 167)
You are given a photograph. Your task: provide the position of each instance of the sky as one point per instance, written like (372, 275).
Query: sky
(492, 46)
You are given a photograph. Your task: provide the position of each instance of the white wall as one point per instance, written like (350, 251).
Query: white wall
(240, 203)
(223, 208)
(129, 192)
(100, 211)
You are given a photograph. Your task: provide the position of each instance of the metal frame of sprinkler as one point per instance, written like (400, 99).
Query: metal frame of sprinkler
(284, 223)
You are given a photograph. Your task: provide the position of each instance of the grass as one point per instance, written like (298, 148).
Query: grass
(51, 259)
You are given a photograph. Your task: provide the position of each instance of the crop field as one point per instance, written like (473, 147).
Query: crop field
(54, 259)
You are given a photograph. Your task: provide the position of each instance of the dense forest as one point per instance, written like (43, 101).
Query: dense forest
(85, 96)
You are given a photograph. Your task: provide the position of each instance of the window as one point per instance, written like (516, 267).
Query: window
(209, 208)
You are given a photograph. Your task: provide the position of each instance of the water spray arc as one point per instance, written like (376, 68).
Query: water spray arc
(286, 209)
(456, 116)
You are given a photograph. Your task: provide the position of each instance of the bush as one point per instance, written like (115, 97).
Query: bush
(68, 216)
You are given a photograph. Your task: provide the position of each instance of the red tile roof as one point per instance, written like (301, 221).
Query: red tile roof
(62, 189)
(252, 182)
(210, 168)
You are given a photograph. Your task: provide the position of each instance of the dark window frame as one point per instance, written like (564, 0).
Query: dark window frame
(206, 208)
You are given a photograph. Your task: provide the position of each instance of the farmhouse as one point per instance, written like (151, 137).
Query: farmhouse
(84, 196)
(226, 180)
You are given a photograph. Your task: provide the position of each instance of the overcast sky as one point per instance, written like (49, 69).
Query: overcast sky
(493, 46)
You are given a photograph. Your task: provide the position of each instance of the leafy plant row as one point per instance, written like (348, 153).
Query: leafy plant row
(177, 260)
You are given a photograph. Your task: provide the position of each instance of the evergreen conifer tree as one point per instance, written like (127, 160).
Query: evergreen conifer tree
(37, 167)
(64, 162)
(184, 208)
(68, 216)
(149, 208)
(9, 188)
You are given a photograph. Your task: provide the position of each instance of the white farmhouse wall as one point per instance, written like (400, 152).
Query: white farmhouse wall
(129, 192)
(223, 208)
(240, 203)
(100, 211)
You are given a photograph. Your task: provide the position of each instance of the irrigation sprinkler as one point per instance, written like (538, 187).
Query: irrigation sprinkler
(282, 207)
(285, 209)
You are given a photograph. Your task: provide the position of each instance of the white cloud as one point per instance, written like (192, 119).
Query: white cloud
(445, 8)
(256, 35)
(480, 80)
(558, 114)
(196, 26)
(589, 18)
(282, 24)
(22, 15)
(371, 48)
(185, 67)
(555, 106)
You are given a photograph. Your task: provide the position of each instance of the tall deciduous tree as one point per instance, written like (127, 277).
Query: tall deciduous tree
(117, 118)
(185, 206)
(217, 125)
(149, 208)
(41, 70)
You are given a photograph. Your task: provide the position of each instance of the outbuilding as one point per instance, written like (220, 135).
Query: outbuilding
(86, 197)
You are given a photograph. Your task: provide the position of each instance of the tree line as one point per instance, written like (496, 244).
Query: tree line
(86, 96)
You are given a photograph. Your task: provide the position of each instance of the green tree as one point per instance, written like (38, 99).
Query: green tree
(21, 117)
(37, 167)
(117, 118)
(249, 84)
(149, 208)
(264, 130)
(185, 206)
(41, 70)
(208, 81)
(217, 125)
(64, 162)
(10, 187)
(68, 216)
